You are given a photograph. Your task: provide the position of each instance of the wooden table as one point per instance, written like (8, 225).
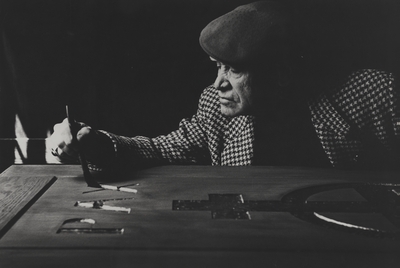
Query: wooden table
(201, 216)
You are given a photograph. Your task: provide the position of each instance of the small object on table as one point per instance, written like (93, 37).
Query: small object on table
(99, 204)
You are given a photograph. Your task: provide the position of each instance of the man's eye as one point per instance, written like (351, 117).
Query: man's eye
(235, 71)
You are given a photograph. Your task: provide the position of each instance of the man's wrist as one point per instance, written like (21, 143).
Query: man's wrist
(99, 149)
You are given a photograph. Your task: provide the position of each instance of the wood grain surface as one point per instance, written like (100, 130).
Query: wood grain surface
(155, 235)
(15, 194)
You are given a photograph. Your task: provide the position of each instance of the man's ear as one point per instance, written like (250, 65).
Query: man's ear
(285, 74)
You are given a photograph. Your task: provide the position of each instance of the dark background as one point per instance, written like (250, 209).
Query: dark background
(134, 67)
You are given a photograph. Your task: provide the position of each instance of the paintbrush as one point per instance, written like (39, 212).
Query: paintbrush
(91, 182)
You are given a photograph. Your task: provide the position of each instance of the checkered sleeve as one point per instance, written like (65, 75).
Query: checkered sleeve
(361, 113)
(186, 145)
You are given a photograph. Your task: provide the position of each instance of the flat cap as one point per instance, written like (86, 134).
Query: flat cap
(247, 34)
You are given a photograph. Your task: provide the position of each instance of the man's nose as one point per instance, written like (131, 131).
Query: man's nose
(221, 82)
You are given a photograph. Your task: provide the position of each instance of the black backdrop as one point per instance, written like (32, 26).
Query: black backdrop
(134, 67)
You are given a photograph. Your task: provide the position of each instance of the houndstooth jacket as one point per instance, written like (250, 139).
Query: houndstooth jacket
(359, 123)
(366, 103)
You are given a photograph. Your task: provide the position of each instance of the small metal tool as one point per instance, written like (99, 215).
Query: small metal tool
(99, 204)
(123, 188)
(86, 230)
(118, 188)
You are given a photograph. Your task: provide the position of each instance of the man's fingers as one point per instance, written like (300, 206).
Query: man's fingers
(83, 134)
(68, 139)
(68, 149)
(63, 157)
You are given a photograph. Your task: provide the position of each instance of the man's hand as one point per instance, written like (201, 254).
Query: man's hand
(66, 142)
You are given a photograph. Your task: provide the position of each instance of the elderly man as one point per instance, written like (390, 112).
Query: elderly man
(258, 111)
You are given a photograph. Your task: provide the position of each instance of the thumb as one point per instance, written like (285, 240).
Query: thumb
(83, 133)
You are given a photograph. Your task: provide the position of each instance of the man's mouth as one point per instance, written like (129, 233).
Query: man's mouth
(225, 100)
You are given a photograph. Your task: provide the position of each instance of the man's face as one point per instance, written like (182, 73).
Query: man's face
(235, 90)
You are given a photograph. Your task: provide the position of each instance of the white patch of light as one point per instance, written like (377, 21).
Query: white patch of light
(343, 223)
(90, 221)
(50, 158)
(22, 141)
